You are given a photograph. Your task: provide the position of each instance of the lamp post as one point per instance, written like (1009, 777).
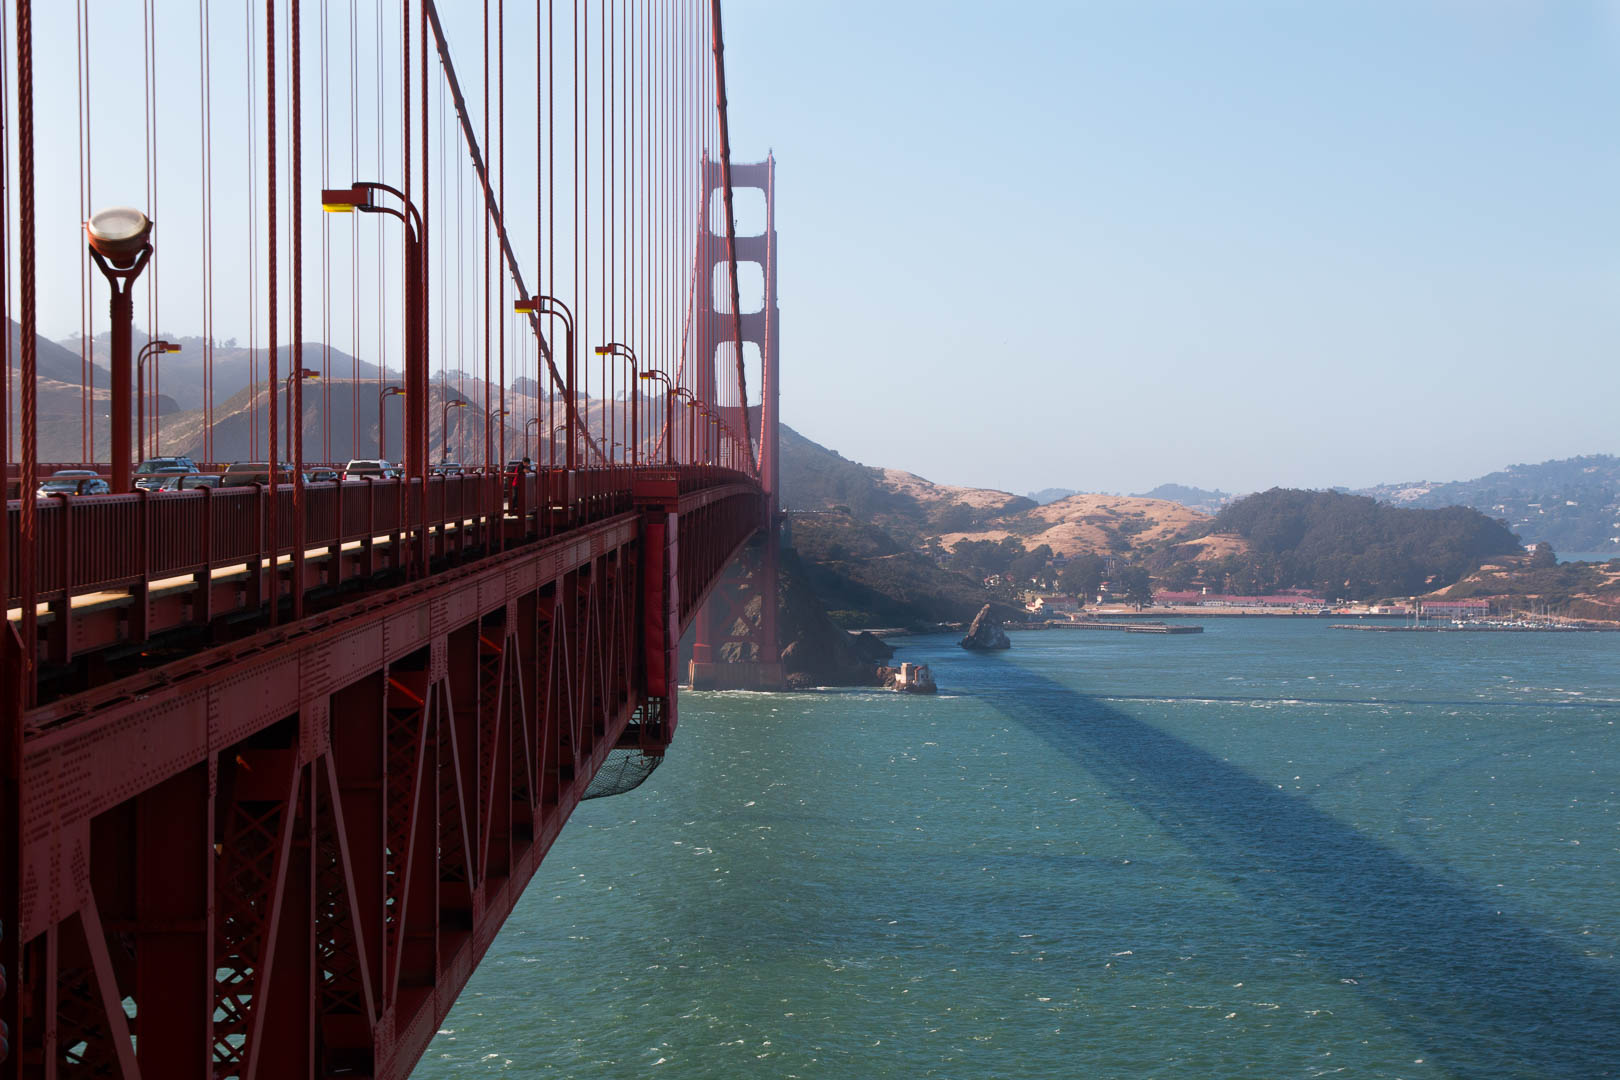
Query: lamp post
(625, 352)
(361, 196)
(691, 420)
(302, 373)
(498, 414)
(551, 442)
(120, 244)
(151, 348)
(700, 430)
(382, 418)
(669, 412)
(444, 422)
(531, 422)
(711, 437)
(550, 305)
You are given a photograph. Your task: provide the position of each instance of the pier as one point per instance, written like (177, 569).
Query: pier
(1131, 628)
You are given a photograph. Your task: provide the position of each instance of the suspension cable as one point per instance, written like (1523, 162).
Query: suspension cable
(251, 158)
(87, 341)
(205, 78)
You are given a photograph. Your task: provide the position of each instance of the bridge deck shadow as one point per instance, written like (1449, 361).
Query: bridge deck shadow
(1480, 987)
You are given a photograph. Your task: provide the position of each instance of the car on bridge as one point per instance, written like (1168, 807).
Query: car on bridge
(376, 468)
(324, 476)
(75, 482)
(245, 473)
(188, 482)
(153, 473)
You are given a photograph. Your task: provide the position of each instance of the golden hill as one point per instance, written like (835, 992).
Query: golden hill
(1100, 524)
(933, 498)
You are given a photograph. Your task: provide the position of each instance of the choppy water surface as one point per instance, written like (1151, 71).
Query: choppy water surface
(1271, 850)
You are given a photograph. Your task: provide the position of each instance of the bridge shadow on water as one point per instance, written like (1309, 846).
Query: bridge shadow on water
(1480, 987)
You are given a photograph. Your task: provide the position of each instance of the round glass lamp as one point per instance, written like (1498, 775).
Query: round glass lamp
(118, 234)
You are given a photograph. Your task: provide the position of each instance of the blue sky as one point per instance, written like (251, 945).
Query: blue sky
(1090, 245)
(1107, 245)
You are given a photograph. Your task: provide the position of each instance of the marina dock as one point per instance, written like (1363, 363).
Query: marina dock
(1130, 628)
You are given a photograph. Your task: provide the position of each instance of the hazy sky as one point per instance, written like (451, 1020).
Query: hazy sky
(1090, 245)
(1108, 245)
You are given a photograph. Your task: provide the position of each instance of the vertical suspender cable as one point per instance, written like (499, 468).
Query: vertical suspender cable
(583, 281)
(545, 282)
(489, 453)
(551, 205)
(11, 706)
(149, 55)
(252, 237)
(295, 351)
(444, 277)
(500, 295)
(87, 339)
(29, 289)
(354, 233)
(610, 384)
(423, 334)
(205, 97)
(326, 237)
(295, 347)
(382, 264)
(461, 306)
(579, 373)
(273, 515)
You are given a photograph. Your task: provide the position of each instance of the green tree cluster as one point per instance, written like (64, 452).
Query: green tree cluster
(1350, 546)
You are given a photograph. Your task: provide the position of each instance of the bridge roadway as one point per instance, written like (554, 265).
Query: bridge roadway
(258, 850)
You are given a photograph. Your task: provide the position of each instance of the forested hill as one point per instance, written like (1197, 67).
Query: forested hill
(1356, 547)
(1572, 503)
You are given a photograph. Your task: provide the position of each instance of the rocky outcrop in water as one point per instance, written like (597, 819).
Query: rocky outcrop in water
(986, 634)
(817, 651)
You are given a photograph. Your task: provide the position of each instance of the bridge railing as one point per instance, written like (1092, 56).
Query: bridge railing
(94, 543)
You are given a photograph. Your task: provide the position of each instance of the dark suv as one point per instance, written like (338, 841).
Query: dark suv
(153, 474)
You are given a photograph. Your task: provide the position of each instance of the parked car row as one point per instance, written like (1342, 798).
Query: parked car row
(183, 474)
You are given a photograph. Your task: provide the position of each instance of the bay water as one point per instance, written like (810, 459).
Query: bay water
(1273, 849)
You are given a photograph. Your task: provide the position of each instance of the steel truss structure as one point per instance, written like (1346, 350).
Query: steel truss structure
(285, 858)
(277, 761)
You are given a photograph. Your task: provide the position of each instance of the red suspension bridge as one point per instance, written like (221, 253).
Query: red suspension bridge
(280, 756)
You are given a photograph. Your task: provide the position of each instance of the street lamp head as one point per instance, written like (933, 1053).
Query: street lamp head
(169, 347)
(341, 200)
(524, 307)
(603, 350)
(456, 404)
(118, 235)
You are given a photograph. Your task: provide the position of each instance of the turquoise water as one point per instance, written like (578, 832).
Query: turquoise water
(1270, 850)
(1589, 556)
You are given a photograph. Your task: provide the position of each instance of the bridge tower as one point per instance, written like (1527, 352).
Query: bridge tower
(736, 645)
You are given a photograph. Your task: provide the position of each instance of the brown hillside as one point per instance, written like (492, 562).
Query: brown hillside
(1100, 524)
(934, 497)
